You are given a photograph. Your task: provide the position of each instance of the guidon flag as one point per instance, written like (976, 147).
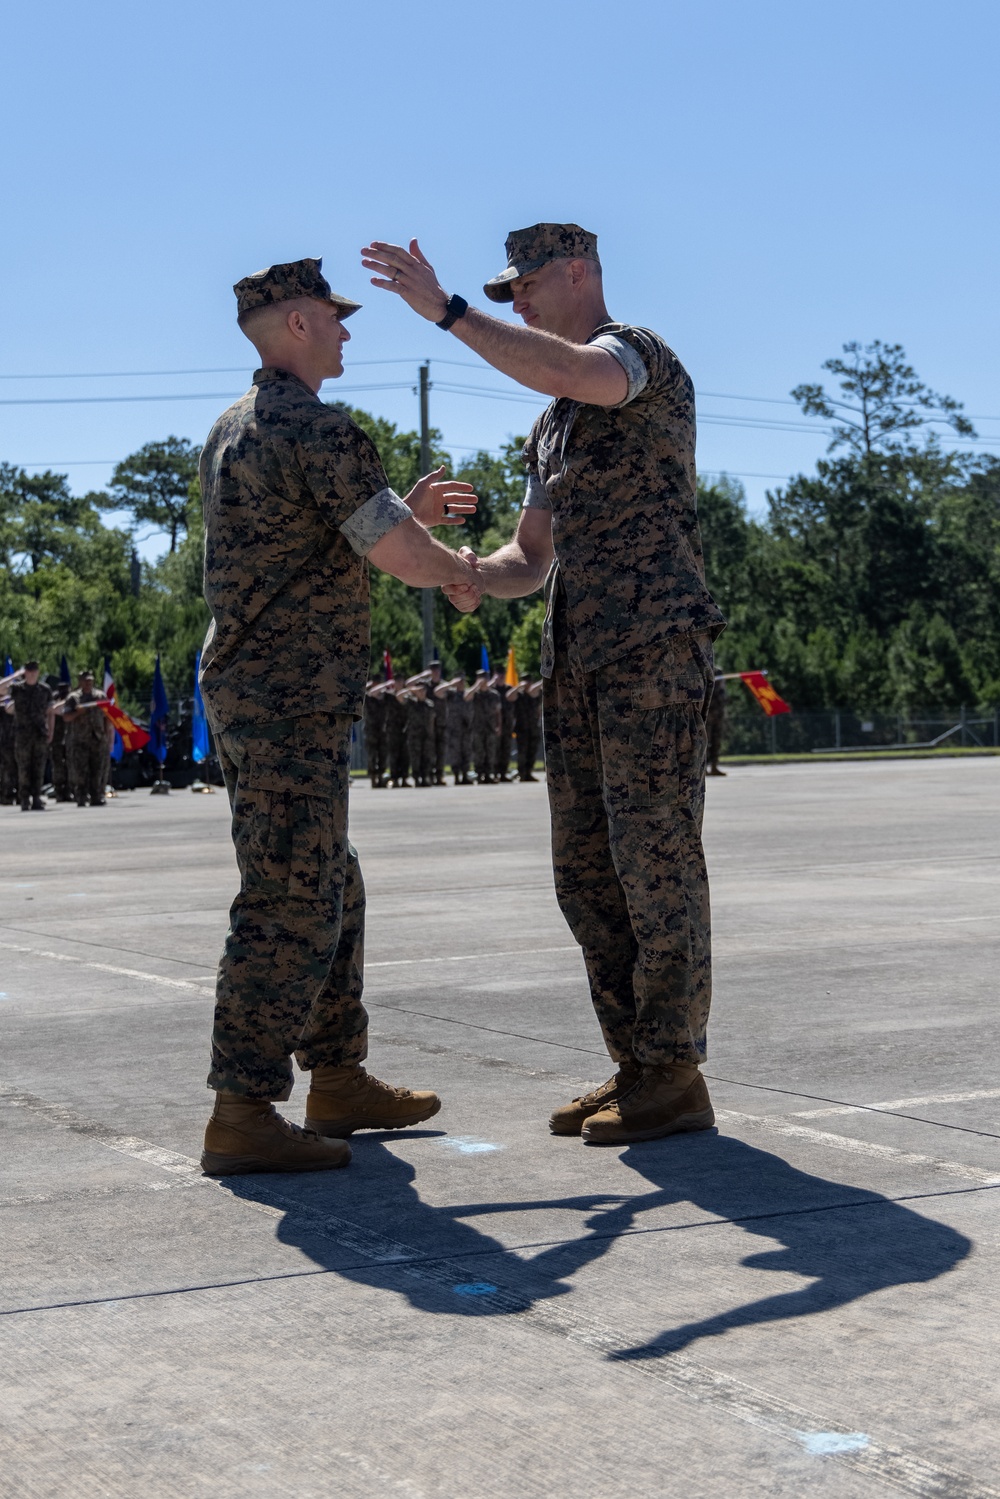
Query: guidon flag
(765, 694)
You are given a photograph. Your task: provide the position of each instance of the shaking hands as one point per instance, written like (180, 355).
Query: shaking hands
(466, 596)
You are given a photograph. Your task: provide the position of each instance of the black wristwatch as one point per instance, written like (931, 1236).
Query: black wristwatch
(455, 308)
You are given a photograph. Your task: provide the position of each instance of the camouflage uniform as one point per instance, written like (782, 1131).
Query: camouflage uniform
(295, 497)
(61, 784)
(31, 743)
(459, 734)
(375, 738)
(8, 762)
(417, 718)
(485, 732)
(397, 747)
(526, 711)
(627, 662)
(440, 706)
(87, 748)
(505, 739)
(716, 722)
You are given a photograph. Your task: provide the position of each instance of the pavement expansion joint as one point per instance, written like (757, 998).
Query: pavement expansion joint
(835, 1442)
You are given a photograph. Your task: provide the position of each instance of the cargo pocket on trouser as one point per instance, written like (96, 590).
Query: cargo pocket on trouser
(667, 740)
(284, 828)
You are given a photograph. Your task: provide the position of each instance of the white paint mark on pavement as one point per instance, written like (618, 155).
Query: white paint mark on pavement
(831, 1443)
(784, 1127)
(468, 1145)
(893, 1104)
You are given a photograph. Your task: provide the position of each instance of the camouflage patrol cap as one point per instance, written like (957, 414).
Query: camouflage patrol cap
(527, 249)
(282, 283)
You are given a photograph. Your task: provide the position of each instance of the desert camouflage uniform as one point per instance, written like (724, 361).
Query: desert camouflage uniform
(627, 661)
(31, 744)
(87, 748)
(295, 497)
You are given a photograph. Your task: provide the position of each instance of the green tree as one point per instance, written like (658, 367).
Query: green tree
(885, 402)
(154, 484)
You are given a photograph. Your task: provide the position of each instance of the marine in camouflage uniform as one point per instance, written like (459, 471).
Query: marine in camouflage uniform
(715, 724)
(396, 740)
(32, 700)
(459, 733)
(485, 729)
(419, 716)
(88, 735)
(8, 762)
(375, 736)
(440, 705)
(527, 708)
(60, 759)
(626, 657)
(295, 498)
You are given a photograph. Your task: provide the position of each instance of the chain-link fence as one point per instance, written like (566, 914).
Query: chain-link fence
(749, 732)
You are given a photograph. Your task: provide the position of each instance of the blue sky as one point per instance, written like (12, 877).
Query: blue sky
(767, 181)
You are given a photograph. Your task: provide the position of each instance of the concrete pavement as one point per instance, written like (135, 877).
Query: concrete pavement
(799, 1303)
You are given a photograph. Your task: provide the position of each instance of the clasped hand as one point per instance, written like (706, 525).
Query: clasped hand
(466, 596)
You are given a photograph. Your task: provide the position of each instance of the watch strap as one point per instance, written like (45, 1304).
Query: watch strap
(455, 308)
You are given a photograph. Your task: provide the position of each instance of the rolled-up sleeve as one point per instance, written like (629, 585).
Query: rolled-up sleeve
(630, 360)
(535, 497)
(375, 519)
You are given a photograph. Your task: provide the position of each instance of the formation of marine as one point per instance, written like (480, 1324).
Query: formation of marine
(422, 726)
(52, 736)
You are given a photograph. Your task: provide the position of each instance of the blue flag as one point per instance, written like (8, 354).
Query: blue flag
(200, 745)
(484, 658)
(159, 710)
(8, 667)
(64, 675)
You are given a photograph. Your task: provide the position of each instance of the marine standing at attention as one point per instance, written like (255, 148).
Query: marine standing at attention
(296, 503)
(626, 654)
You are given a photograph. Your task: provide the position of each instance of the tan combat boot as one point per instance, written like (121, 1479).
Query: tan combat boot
(246, 1135)
(343, 1099)
(570, 1119)
(663, 1101)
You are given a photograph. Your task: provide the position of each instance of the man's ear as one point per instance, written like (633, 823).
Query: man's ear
(577, 272)
(297, 324)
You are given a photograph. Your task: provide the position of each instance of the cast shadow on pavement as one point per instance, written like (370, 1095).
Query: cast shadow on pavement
(848, 1241)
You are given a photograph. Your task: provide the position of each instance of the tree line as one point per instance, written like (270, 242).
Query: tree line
(872, 583)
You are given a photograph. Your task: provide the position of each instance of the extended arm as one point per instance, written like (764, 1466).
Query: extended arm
(541, 361)
(514, 570)
(411, 554)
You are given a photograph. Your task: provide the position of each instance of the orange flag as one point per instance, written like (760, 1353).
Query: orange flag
(511, 678)
(765, 694)
(133, 735)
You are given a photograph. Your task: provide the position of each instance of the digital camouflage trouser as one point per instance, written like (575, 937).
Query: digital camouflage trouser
(625, 764)
(291, 973)
(31, 750)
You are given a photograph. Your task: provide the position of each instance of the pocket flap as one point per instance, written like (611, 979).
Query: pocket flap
(301, 777)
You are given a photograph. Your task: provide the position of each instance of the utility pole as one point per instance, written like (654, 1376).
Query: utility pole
(427, 599)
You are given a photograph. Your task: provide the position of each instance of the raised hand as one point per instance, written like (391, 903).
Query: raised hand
(442, 502)
(409, 274)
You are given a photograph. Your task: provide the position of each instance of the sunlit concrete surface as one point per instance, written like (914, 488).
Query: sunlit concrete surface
(803, 1302)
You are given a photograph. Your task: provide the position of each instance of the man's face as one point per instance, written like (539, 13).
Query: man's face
(544, 298)
(86, 684)
(31, 677)
(327, 336)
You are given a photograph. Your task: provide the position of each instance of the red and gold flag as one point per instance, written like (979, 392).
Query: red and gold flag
(133, 735)
(765, 694)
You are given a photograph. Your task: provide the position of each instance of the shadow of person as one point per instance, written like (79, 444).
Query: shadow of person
(372, 1227)
(848, 1242)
